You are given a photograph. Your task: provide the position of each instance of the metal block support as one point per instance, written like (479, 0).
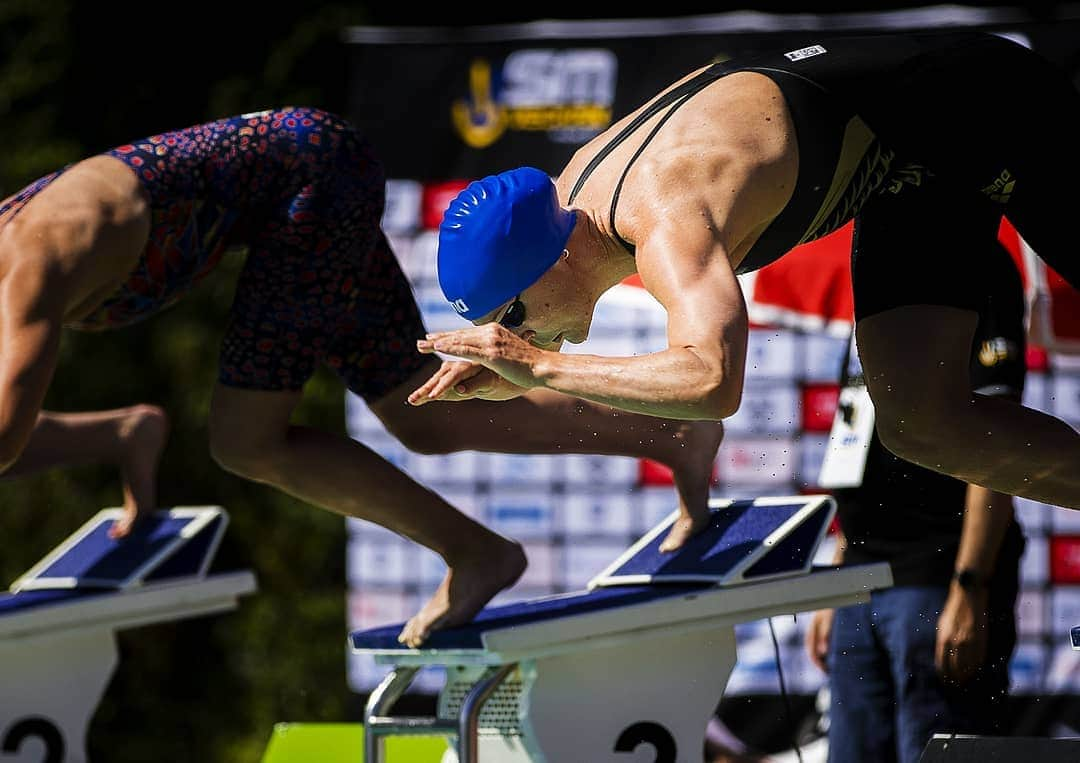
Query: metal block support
(462, 731)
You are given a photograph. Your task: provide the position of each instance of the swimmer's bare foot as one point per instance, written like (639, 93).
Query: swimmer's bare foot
(685, 527)
(467, 587)
(143, 432)
(692, 460)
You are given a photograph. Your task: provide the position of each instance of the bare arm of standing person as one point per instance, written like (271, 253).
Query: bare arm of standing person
(963, 626)
(819, 633)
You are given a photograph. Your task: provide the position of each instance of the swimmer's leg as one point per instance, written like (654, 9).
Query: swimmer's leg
(543, 421)
(130, 438)
(251, 435)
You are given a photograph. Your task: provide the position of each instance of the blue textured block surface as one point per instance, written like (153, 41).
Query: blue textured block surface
(736, 532)
(100, 557)
(168, 544)
(795, 551)
(522, 613)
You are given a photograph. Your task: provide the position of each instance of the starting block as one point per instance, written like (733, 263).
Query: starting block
(639, 659)
(960, 748)
(59, 620)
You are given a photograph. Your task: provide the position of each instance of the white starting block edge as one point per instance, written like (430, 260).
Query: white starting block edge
(698, 609)
(200, 517)
(736, 574)
(151, 603)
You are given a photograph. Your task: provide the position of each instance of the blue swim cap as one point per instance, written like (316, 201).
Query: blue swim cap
(497, 237)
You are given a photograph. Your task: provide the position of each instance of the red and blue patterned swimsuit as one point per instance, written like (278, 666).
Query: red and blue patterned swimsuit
(303, 192)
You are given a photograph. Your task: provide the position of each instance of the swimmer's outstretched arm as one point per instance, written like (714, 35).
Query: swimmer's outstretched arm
(698, 376)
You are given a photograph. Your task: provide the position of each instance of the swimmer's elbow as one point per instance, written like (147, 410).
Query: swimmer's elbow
(15, 435)
(719, 406)
(715, 394)
(720, 398)
(11, 449)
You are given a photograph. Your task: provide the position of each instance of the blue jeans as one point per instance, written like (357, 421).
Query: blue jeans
(887, 699)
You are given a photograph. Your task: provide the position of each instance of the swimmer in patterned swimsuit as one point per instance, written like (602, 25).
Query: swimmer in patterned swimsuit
(925, 140)
(119, 237)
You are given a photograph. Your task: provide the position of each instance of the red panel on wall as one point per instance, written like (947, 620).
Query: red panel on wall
(436, 198)
(1065, 559)
(819, 406)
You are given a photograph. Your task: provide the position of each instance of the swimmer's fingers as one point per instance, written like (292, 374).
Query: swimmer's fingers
(421, 394)
(457, 381)
(442, 384)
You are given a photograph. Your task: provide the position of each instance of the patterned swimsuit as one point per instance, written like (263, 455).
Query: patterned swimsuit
(303, 192)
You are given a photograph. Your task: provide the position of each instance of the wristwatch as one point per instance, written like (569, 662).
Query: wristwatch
(969, 579)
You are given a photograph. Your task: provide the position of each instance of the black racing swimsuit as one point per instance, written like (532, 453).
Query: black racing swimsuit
(932, 117)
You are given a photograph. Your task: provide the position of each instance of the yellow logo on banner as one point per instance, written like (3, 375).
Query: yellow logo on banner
(479, 120)
(567, 93)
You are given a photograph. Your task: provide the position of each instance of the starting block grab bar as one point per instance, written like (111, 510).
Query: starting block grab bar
(464, 729)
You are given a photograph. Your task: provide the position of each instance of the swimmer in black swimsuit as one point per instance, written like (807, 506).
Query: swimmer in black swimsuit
(925, 140)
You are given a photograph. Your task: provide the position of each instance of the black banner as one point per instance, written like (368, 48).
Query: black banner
(446, 104)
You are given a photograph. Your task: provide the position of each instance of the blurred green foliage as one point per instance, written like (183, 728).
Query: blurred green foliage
(76, 78)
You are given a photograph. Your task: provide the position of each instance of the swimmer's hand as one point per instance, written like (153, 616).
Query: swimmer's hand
(492, 346)
(460, 380)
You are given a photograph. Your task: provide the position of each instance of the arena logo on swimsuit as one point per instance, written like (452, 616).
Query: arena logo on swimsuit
(566, 93)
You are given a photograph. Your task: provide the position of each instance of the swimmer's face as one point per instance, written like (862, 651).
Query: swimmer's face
(551, 311)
